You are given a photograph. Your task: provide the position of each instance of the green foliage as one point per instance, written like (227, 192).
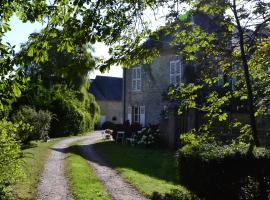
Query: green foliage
(60, 84)
(84, 183)
(149, 136)
(149, 170)
(175, 194)
(231, 171)
(74, 112)
(232, 71)
(10, 154)
(34, 124)
(60, 67)
(34, 159)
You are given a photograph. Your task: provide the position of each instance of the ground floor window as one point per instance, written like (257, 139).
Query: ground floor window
(136, 114)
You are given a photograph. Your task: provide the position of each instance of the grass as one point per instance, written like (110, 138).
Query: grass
(84, 184)
(35, 156)
(148, 170)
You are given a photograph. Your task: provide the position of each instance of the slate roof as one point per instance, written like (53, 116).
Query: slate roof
(163, 40)
(106, 88)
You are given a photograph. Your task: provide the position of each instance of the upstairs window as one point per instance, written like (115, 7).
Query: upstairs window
(175, 72)
(137, 79)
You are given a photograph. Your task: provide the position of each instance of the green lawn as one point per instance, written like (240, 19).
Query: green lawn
(83, 182)
(148, 170)
(35, 156)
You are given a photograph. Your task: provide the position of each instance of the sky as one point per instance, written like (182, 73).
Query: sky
(20, 31)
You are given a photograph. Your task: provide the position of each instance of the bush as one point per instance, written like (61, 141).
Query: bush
(108, 125)
(75, 112)
(226, 172)
(149, 136)
(175, 194)
(10, 154)
(34, 124)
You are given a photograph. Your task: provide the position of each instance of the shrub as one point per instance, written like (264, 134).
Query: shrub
(108, 125)
(175, 194)
(10, 154)
(34, 124)
(75, 111)
(226, 171)
(149, 136)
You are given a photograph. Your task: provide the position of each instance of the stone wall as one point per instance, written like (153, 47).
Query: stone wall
(155, 81)
(113, 110)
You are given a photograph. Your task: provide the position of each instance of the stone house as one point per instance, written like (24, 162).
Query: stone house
(108, 94)
(145, 86)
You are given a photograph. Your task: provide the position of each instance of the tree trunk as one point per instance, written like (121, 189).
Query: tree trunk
(247, 78)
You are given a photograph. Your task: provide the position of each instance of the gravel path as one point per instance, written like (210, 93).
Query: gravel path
(117, 188)
(54, 186)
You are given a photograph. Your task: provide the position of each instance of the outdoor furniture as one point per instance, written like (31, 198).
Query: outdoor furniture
(131, 139)
(120, 135)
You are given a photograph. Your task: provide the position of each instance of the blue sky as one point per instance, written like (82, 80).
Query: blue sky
(20, 31)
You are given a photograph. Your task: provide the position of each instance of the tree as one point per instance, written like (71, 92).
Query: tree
(61, 85)
(233, 55)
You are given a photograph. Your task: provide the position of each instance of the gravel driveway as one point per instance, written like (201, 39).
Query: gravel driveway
(54, 186)
(117, 188)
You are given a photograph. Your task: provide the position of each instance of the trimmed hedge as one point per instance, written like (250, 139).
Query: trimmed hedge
(227, 172)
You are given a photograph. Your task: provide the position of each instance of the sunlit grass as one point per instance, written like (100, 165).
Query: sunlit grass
(35, 156)
(148, 170)
(83, 182)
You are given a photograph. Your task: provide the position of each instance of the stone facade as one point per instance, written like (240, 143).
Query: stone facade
(111, 111)
(155, 80)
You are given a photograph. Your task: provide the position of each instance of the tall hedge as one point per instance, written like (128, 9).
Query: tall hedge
(75, 112)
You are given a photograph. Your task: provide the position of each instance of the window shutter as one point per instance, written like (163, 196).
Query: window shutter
(129, 114)
(142, 115)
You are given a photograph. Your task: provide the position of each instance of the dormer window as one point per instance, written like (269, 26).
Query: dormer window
(175, 72)
(137, 78)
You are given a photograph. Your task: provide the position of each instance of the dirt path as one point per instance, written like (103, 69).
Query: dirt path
(117, 188)
(54, 186)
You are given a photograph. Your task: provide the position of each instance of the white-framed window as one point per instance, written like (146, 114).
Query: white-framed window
(137, 78)
(176, 72)
(136, 114)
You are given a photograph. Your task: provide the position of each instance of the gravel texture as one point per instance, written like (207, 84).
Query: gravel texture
(54, 186)
(117, 188)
